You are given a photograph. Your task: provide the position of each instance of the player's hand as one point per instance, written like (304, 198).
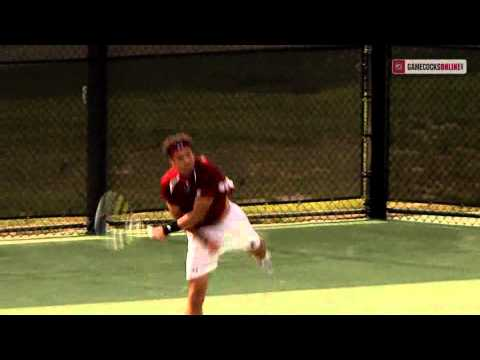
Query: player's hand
(157, 233)
(212, 247)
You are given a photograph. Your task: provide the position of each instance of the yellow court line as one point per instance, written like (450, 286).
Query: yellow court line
(432, 298)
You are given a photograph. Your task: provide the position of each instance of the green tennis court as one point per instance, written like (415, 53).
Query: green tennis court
(363, 267)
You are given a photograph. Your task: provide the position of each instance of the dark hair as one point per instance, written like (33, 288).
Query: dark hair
(173, 142)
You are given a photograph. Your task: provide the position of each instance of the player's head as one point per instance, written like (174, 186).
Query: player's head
(178, 148)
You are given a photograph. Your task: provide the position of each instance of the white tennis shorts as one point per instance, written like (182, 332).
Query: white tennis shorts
(232, 232)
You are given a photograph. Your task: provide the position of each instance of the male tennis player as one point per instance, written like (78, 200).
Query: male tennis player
(197, 195)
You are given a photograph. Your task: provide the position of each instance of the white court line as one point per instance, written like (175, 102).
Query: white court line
(49, 240)
(307, 225)
(182, 234)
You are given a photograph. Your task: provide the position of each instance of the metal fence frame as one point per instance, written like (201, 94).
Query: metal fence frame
(375, 112)
(383, 88)
(99, 59)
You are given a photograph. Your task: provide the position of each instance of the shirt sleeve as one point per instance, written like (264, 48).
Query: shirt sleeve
(208, 182)
(208, 185)
(165, 192)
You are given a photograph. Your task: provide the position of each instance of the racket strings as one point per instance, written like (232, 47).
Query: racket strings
(115, 220)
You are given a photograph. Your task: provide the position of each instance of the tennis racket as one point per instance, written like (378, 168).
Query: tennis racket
(119, 227)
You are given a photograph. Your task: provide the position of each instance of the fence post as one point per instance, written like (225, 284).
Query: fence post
(377, 193)
(96, 129)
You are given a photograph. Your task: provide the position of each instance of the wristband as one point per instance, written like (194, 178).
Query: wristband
(170, 227)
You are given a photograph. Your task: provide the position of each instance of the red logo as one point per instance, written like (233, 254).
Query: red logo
(398, 67)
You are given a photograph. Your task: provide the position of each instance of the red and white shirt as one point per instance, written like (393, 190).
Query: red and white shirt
(206, 179)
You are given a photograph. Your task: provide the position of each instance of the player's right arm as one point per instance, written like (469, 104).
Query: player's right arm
(167, 197)
(174, 210)
(177, 214)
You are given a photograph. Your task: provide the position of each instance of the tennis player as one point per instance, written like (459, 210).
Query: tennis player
(197, 195)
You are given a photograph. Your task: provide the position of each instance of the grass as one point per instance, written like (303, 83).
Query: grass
(43, 141)
(286, 129)
(275, 138)
(435, 153)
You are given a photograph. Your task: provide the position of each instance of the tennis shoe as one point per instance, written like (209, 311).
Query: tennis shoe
(266, 263)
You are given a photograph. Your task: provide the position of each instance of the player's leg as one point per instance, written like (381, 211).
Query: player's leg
(239, 226)
(258, 249)
(200, 262)
(197, 290)
(262, 255)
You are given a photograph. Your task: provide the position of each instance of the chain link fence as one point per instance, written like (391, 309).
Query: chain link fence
(118, 51)
(15, 54)
(434, 164)
(283, 122)
(287, 123)
(43, 140)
